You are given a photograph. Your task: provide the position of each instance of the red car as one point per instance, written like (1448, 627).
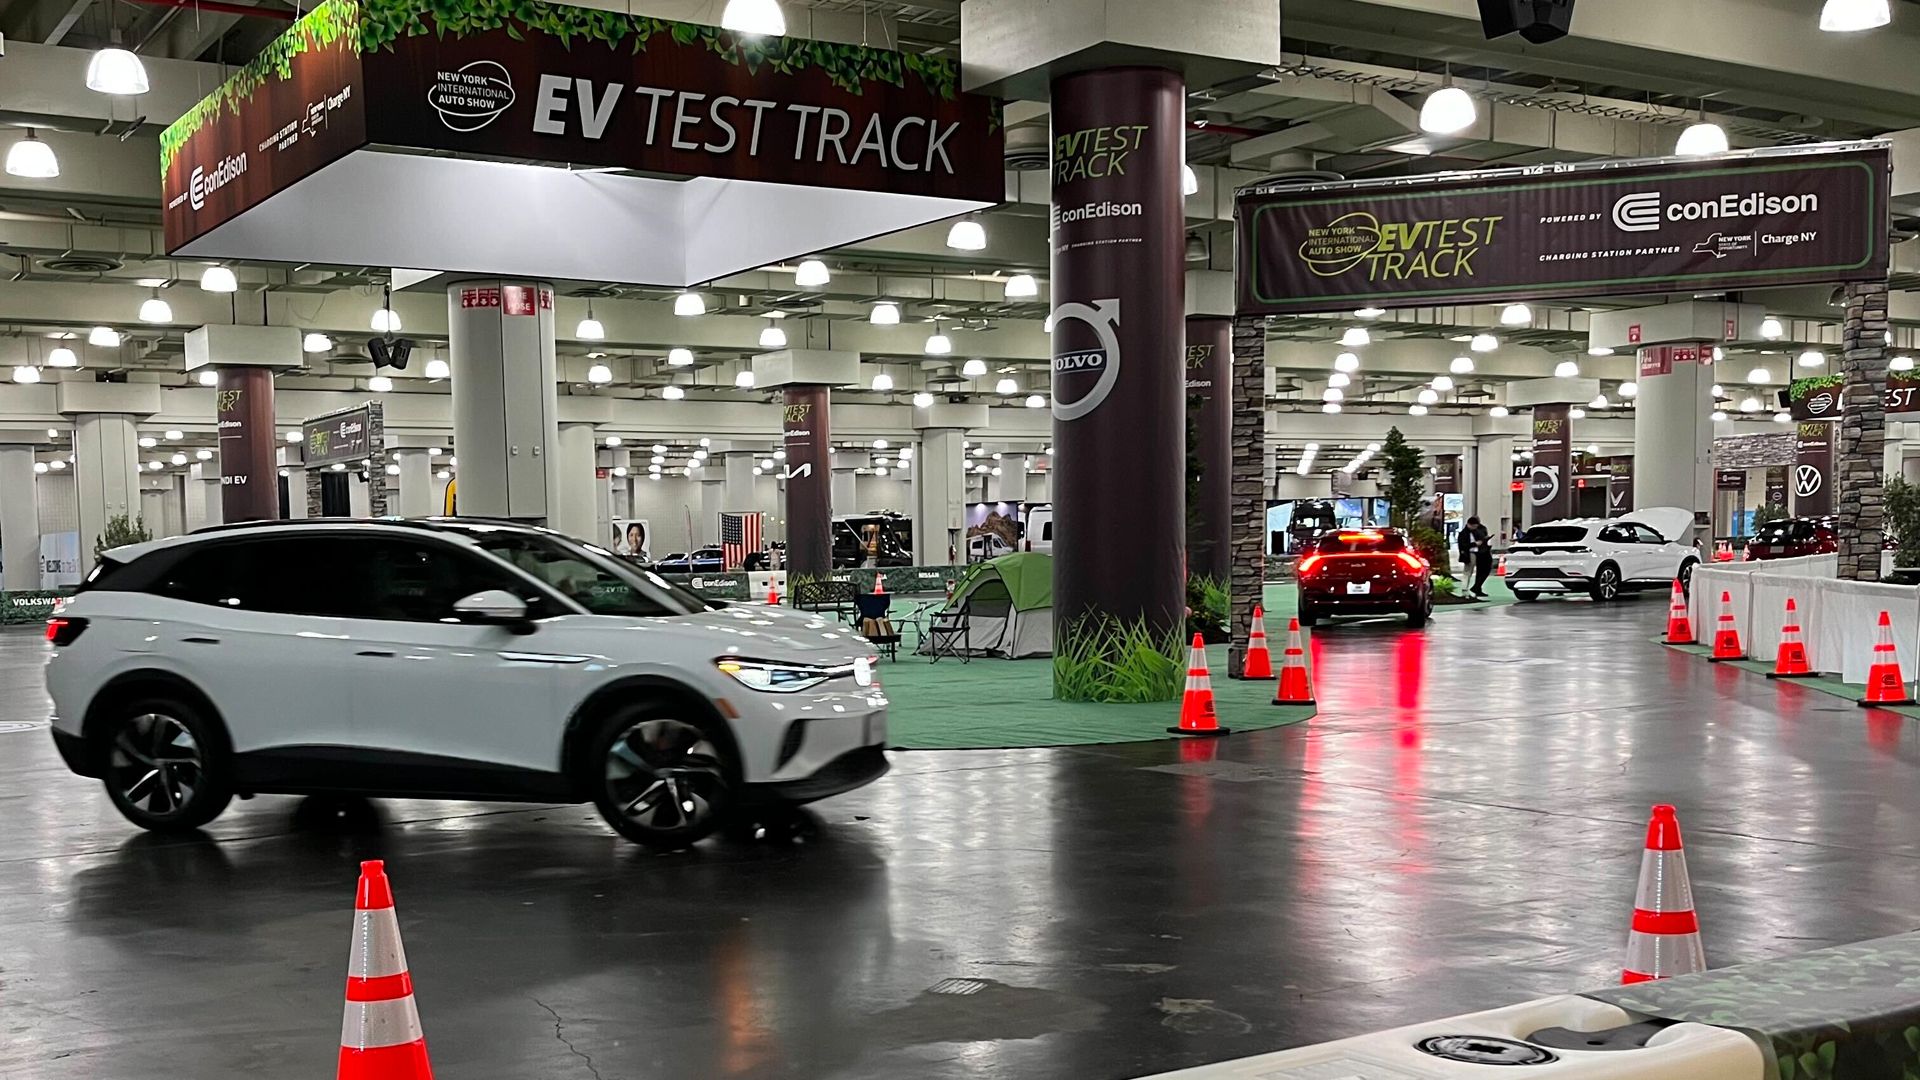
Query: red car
(1363, 572)
(1792, 538)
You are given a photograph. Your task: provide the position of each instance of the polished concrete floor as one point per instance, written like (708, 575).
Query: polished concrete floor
(1458, 829)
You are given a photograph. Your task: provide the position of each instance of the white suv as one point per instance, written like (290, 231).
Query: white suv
(447, 659)
(1644, 549)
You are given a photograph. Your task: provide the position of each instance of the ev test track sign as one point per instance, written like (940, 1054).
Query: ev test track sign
(1805, 215)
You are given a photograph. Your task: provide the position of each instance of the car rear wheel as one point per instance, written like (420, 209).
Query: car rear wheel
(163, 765)
(1606, 584)
(1686, 577)
(1525, 596)
(1421, 612)
(1308, 615)
(661, 778)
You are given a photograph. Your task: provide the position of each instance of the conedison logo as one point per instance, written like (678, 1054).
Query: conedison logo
(1644, 211)
(1639, 212)
(203, 183)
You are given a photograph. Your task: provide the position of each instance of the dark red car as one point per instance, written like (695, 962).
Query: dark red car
(1363, 572)
(1791, 538)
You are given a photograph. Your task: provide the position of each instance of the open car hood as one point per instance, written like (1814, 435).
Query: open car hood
(1671, 522)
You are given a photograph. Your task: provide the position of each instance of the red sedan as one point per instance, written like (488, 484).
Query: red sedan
(1363, 572)
(1792, 538)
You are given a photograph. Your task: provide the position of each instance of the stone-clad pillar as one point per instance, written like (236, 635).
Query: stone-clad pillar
(1862, 429)
(1210, 419)
(1248, 509)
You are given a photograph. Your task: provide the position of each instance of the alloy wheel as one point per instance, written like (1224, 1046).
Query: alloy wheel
(1608, 585)
(155, 764)
(666, 777)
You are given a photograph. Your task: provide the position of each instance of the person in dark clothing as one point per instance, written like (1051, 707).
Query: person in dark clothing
(1482, 555)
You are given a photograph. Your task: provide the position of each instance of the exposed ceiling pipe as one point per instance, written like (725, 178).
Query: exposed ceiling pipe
(220, 8)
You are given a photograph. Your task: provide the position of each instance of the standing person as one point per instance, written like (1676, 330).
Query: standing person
(1463, 546)
(1482, 555)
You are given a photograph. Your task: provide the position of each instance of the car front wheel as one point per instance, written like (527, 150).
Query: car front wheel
(661, 778)
(163, 766)
(1606, 584)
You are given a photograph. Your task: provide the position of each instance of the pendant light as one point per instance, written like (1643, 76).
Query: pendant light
(219, 279)
(1717, 415)
(1429, 396)
(1567, 369)
(32, 159)
(1783, 418)
(1355, 337)
(1811, 358)
(882, 383)
(1369, 313)
(590, 328)
(1759, 376)
(672, 393)
(316, 343)
(599, 374)
(1442, 383)
(1333, 393)
(155, 310)
(1461, 365)
(938, 343)
(1416, 409)
(1483, 343)
(773, 337)
(380, 384)
(1498, 412)
(1036, 401)
(1189, 181)
(1448, 111)
(1629, 389)
(1516, 315)
(26, 374)
(1599, 350)
(689, 305)
(811, 274)
(116, 71)
(762, 17)
(744, 381)
(1900, 363)
(1701, 139)
(885, 313)
(1599, 402)
(1346, 362)
(437, 369)
(1339, 380)
(1006, 387)
(386, 321)
(103, 337)
(1022, 286)
(1851, 16)
(62, 357)
(679, 357)
(923, 400)
(1772, 329)
(1330, 407)
(967, 235)
(1576, 413)
(974, 369)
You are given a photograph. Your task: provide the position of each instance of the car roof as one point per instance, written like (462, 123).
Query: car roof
(461, 527)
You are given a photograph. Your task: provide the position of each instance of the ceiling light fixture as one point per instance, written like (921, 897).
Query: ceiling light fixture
(762, 17)
(103, 337)
(967, 235)
(1329, 407)
(1852, 16)
(923, 400)
(62, 357)
(1416, 409)
(938, 344)
(672, 393)
(590, 328)
(599, 374)
(1006, 387)
(1498, 411)
(1189, 180)
(974, 368)
(1339, 380)
(1347, 362)
(1566, 369)
(1701, 138)
(1448, 111)
(1599, 350)
(1442, 383)
(1576, 414)
(1022, 286)
(885, 313)
(1629, 389)
(1516, 315)
(811, 274)
(1760, 376)
(1429, 396)
(1811, 358)
(1355, 337)
(1771, 329)
(1035, 401)
(32, 159)
(119, 72)
(209, 377)
(155, 310)
(1461, 365)
(1599, 402)
(1717, 416)
(1900, 363)
(744, 380)
(1483, 343)
(218, 279)
(316, 343)
(773, 338)
(688, 305)
(437, 369)
(1369, 313)
(26, 373)
(385, 321)
(883, 383)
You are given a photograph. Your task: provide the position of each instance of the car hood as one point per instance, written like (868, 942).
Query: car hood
(757, 631)
(1674, 524)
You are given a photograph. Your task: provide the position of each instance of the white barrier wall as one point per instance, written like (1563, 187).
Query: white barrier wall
(1838, 619)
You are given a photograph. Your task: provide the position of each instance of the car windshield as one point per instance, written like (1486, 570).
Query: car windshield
(1342, 543)
(596, 580)
(1780, 532)
(1554, 534)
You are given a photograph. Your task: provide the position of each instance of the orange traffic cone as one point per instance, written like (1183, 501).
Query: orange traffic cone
(1196, 705)
(1679, 623)
(1296, 684)
(1665, 939)
(1726, 638)
(773, 593)
(1791, 663)
(1885, 685)
(380, 1038)
(1259, 663)
(879, 585)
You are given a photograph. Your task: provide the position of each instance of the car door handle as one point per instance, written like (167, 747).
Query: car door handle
(201, 640)
(380, 653)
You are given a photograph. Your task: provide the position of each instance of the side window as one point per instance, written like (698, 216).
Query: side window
(1645, 535)
(218, 575)
(1617, 534)
(400, 579)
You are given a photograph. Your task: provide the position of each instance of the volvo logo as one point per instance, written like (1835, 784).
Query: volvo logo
(1103, 316)
(1545, 484)
(1638, 212)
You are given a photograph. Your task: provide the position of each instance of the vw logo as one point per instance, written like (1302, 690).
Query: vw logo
(1807, 480)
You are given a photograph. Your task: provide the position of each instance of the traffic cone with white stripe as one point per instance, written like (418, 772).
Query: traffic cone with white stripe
(1679, 623)
(773, 594)
(879, 585)
(1296, 684)
(1665, 939)
(1259, 664)
(380, 1037)
(1726, 636)
(1196, 705)
(1885, 684)
(1791, 662)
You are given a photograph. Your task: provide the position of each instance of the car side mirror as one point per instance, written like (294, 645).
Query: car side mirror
(492, 607)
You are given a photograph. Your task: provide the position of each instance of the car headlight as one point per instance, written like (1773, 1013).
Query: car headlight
(772, 677)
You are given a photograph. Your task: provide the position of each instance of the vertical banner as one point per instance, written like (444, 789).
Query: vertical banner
(1813, 468)
(1209, 444)
(1777, 487)
(1118, 250)
(1550, 480)
(809, 488)
(1620, 486)
(249, 478)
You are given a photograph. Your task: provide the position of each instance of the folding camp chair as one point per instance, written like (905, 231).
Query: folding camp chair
(950, 633)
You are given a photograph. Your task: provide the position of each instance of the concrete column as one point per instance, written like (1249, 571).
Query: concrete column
(106, 468)
(297, 490)
(1893, 451)
(939, 496)
(1672, 430)
(505, 399)
(1492, 485)
(739, 466)
(1910, 470)
(416, 484)
(1011, 485)
(845, 501)
(19, 520)
(204, 504)
(713, 500)
(575, 510)
(610, 493)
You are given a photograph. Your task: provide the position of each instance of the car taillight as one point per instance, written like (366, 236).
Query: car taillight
(65, 632)
(1414, 562)
(1307, 564)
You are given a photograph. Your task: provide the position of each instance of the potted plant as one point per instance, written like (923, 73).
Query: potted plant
(1902, 523)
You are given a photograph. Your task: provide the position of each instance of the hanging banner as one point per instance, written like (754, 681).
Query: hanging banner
(340, 436)
(1210, 420)
(1757, 219)
(1730, 479)
(59, 560)
(1901, 400)
(805, 436)
(1549, 481)
(1619, 486)
(1777, 487)
(1817, 398)
(1813, 468)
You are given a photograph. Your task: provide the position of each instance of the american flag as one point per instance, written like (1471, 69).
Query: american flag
(739, 537)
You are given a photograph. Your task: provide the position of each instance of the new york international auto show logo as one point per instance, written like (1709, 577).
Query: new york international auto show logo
(1103, 318)
(472, 97)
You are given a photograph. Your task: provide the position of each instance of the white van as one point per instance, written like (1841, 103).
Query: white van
(1039, 528)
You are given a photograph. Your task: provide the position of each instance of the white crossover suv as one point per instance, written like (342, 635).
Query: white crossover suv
(1603, 557)
(450, 658)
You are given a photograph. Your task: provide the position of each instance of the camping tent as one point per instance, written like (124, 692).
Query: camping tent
(1009, 601)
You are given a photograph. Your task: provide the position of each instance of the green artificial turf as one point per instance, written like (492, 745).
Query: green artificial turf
(1825, 684)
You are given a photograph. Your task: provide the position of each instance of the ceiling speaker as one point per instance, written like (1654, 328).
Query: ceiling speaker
(1539, 21)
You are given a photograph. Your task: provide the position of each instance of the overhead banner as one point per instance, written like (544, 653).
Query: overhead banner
(1817, 398)
(1901, 400)
(340, 436)
(1549, 486)
(1620, 486)
(1813, 468)
(1760, 219)
(575, 87)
